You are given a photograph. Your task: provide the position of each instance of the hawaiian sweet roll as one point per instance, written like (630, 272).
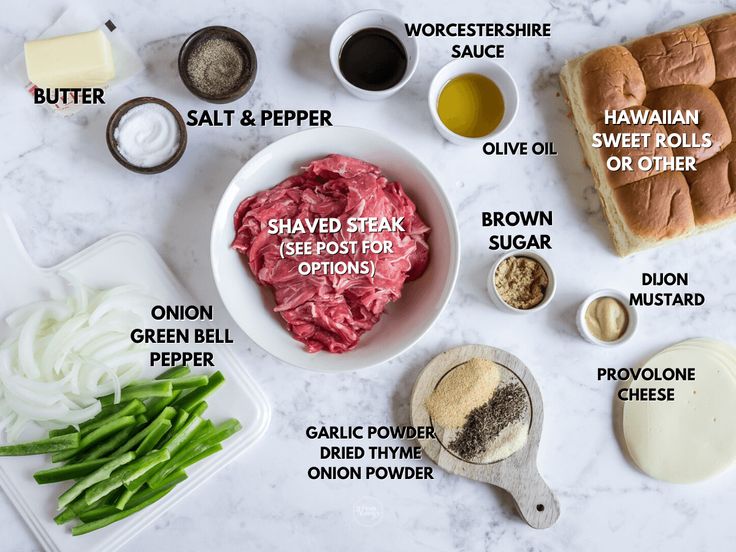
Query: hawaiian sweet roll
(606, 79)
(681, 56)
(655, 209)
(721, 33)
(711, 119)
(653, 132)
(713, 188)
(725, 91)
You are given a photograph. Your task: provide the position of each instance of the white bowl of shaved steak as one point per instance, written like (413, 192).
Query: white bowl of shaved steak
(335, 249)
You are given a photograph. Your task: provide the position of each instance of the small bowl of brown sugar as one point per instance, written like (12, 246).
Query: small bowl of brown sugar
(521, 282)
(217, 64)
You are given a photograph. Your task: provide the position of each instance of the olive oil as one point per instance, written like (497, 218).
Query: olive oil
(471, 105)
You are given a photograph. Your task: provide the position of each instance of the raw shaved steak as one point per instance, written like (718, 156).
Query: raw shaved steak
(326, 311)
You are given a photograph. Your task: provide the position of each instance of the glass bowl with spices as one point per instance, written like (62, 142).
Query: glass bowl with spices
(521, 282)
(606, 318)
(483, 410)
(217, 64)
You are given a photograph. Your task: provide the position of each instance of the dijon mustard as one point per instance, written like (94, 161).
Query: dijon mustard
(606, 319)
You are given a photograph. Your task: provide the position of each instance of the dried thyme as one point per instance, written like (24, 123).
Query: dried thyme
(507, 405)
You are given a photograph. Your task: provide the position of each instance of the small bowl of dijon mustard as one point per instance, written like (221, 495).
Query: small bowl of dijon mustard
(606, 318)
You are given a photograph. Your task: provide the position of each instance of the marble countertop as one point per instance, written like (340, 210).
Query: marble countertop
(64, 192)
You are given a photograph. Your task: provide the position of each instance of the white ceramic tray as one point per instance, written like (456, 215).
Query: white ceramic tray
(118, 259)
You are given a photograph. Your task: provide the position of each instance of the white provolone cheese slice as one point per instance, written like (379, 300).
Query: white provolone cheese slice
(693, 437)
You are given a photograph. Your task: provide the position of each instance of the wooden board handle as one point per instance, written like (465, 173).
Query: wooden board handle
(535, 501)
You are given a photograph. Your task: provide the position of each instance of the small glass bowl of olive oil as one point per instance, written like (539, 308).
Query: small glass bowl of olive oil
(472, 100)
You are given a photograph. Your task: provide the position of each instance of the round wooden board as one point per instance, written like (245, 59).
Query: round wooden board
(517, 474)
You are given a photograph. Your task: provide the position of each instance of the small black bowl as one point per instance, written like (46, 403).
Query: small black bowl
(246, 79)
(112, 145)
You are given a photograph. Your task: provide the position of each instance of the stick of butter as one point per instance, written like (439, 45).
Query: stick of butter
(71, 61)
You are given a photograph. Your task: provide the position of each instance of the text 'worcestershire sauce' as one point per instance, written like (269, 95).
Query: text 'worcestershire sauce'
(373, 59)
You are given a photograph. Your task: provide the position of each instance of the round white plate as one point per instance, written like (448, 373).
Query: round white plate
(404, 321)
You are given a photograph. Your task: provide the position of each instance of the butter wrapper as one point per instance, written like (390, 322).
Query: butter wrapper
(76, 19)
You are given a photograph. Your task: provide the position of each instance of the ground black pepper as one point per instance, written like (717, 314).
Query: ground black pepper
(216, 66)
(507, 405)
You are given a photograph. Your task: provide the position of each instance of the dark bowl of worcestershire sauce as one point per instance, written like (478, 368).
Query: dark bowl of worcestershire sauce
(373, 59)
(372, 55)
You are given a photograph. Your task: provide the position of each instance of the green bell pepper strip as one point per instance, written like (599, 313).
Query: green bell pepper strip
(178, 383)
(141, 391)
(199, 409)
(194, 397)
(198, 445)
(130, 498)
(84, 528)
(159, 429)
(175, 372)
(188, 382)
(199, 457)
(59, 444)
(104, 413)
(100, 474)
(70, 471)
(181, 461)
(63, 431)
(125, 474)
(96, 436)
(134, 440)
(182, 436)
(105, 448)
(132, 408)
(156, 406)
(181, 418)
(173, 443)
(75, 509)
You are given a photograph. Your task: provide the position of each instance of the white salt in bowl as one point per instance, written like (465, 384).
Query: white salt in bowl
(405, 321)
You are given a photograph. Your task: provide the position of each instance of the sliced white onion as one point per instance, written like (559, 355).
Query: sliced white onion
(62, 354)
(26, 351)
(76, 417)
(107, 344)
(116, 389)
(58, 310)
(23, 389)
(30, 411)
(52, 349)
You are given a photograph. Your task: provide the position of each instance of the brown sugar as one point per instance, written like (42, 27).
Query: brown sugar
(521, 282)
